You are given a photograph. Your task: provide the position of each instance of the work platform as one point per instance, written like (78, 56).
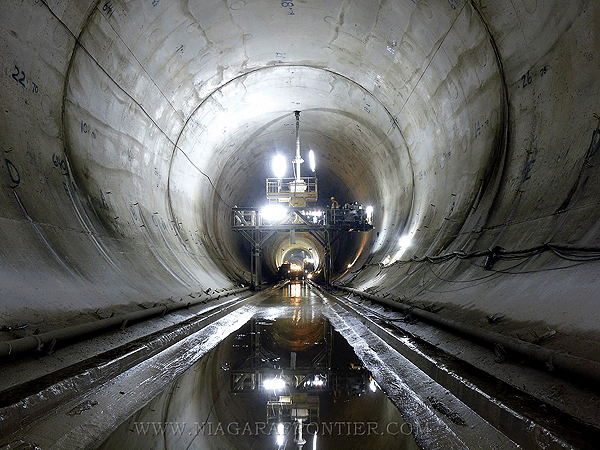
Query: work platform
(350, 218)
(297, 192)
(326, 225)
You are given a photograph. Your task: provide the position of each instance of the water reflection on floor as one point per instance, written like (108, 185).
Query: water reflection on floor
(285, 380)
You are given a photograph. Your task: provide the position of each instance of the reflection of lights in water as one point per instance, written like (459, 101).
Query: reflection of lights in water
(296, 290)
(298, 333)
(280, 434)
(300, 327)
(297, 315)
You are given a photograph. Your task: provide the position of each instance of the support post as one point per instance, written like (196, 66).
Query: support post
(327, 262)
(256, 261)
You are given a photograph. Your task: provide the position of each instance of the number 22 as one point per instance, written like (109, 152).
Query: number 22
(16, 74)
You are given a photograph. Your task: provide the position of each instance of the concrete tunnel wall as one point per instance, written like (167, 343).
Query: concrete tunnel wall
(130, 128)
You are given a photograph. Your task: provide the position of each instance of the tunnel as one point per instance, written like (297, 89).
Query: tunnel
(131, 129)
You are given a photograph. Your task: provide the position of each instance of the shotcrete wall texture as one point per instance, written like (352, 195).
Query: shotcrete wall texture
(130, 128)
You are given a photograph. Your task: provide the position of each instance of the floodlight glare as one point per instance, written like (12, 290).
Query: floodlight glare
(274, 213)
(274, 384)
(311, 159)
(279, 165)
(404, 241)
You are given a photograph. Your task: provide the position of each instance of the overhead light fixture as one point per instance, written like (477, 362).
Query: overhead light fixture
(279, 165)
(311, 159)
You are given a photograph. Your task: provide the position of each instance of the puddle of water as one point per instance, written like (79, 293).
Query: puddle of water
(285, 380)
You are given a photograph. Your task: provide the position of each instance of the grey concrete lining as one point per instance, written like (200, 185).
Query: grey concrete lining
(128, 128)
(144, 115)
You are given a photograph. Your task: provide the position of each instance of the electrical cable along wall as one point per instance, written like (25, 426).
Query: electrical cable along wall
(155, 137)
(130, 129)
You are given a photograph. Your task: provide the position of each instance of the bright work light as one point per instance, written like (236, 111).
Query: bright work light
(279, 165)
(311, 159)
(274, 213)
(274, 384)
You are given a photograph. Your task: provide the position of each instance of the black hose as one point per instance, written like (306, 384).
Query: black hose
(47, 340)
(551, 359)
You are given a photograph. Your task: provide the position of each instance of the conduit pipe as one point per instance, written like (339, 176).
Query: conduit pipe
(298, 161)
(37, 342)
(551, 359)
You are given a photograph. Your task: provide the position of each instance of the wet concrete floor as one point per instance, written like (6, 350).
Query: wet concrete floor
(285, 380)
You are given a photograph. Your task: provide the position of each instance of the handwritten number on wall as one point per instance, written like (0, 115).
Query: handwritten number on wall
(108, 8)
(16, 77)
(59, 162)
(13, 173)
(526, 79)
(19, 77)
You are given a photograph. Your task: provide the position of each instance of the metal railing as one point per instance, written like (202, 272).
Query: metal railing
(285, 188)
(350, 217)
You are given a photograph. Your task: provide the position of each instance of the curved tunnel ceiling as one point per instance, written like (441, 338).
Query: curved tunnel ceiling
(187, 113)
(137, 125)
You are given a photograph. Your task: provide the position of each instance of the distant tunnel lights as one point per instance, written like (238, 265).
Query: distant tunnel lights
(373, 385)
(279, 165)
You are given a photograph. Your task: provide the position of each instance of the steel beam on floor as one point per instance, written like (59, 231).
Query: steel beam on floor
(556, 431)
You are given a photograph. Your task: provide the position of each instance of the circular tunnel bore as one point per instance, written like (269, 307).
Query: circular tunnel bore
(177, 146)
(131, 128)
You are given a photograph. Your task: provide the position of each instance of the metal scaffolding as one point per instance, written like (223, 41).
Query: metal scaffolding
(326, 226)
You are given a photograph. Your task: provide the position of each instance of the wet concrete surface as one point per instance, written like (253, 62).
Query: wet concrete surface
(221, 401)
(535, 407)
